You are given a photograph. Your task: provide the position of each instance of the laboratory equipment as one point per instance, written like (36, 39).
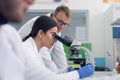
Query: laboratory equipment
(116, 43)
(75, 47)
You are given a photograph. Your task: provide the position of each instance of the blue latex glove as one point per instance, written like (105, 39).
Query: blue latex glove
(86, 71)
(70, 69)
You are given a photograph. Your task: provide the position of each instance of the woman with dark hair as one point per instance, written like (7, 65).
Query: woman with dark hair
(42, 35)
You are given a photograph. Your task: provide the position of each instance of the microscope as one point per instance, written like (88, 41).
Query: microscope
(75, 47)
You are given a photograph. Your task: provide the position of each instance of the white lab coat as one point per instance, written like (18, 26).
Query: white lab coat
(59, 62)
(27, 27)
(17, 62)
(30, 44)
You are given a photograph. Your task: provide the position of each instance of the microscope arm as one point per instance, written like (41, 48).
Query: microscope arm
(76, 45)
(90, 58)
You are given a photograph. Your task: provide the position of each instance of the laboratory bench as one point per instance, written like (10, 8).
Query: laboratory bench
(100, 74)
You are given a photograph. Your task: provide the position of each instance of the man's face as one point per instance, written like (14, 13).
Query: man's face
(62, 20)
(14, 10)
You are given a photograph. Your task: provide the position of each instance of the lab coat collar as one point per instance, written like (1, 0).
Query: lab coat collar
(33, 45)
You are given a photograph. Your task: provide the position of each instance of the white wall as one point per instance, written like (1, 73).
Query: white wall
(109, 52)
(96, 16)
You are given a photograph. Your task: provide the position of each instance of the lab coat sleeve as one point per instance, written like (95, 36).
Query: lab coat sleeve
(46, 56)
(27, 27)
(59, 55)
(49, 63)
(11, 64)
(73, 75)
(40, 72)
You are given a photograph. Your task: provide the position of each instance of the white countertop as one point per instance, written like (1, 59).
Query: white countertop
(102, 74)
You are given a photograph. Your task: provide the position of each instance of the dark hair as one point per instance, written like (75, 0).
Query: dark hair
(43, 23)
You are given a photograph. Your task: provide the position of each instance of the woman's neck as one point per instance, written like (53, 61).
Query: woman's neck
(38, 44)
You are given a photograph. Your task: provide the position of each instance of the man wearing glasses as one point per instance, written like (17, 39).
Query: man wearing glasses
(58, 62)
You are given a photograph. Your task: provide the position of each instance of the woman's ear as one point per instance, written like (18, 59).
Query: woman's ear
(40, 33)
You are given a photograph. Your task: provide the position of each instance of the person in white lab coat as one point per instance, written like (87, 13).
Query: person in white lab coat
(15, 62)
(62, 16)
(11, 61)
(42, 34)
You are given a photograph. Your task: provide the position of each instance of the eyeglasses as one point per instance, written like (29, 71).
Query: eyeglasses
(61, 22)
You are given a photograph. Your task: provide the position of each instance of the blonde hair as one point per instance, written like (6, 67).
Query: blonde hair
(64, 9)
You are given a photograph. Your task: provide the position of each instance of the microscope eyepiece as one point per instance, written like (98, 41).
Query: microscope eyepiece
(65, 41)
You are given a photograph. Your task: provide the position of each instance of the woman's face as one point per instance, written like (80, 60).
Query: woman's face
(48, 39)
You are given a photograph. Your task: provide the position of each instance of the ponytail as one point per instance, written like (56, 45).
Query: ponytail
(26, 37)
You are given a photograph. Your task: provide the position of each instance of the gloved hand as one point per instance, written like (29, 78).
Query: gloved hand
(70, 69)
(86, 71)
